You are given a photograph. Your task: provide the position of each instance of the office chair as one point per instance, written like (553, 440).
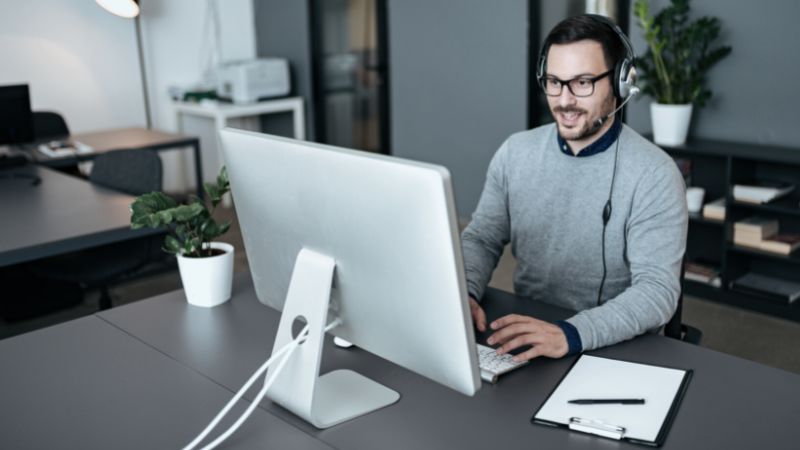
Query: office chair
(675, 328)
(49, 125)
(133, 172)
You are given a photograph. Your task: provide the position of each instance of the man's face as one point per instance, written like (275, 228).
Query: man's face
(577, 116)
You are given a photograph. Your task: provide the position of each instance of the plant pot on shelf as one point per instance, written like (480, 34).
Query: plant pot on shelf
(207, 280)
(670, 123)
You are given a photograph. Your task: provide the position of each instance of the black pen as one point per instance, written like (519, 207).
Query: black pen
(605, 401)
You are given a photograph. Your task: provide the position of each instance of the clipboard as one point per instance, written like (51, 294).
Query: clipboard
(594, 377)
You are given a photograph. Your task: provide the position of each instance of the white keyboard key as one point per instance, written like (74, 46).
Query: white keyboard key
(493, 365)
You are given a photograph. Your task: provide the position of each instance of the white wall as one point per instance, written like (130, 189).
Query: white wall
(82, 62)
(78, 60)
(172, 40)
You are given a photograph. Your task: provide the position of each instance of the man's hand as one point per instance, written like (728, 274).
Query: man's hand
(478, 316)
(514, 331)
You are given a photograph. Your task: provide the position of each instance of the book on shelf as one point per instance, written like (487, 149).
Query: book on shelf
(762, 191)
(781, 243)
(751, 231)
(715, 210)
(771, 287)
(755, 227)
(702, 273)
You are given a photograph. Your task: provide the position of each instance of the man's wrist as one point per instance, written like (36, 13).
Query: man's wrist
(574, 343)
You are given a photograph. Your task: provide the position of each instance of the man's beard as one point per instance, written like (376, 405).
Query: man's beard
(589, 128)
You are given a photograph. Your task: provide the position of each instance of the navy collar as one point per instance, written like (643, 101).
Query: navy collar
(598, 146)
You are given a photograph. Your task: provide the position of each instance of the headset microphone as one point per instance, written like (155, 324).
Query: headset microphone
(601, 121)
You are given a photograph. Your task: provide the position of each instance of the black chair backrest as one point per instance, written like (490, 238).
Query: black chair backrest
(49, 125)
(133, 172)
(673, 327)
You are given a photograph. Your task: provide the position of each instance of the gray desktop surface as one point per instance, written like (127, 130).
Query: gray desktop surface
(87, 385)
(731, 403)
(59, 215)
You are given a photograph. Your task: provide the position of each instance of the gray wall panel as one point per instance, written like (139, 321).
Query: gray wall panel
(458, 84)
(282, 30)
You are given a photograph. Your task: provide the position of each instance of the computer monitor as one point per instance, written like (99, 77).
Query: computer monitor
(16, 118)
(372, 239)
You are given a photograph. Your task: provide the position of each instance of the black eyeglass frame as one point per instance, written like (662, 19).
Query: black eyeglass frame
(566, 83)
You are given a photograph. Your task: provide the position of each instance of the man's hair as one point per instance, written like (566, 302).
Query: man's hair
(583, 27)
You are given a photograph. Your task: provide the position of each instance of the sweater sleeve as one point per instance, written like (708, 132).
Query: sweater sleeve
(489, 231)
(656, 241)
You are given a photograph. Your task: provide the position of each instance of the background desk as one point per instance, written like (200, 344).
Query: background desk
(244, 116)
(60, 215)
(731, 403)
(130, 138)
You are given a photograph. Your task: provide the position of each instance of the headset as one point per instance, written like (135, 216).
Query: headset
(624, 87)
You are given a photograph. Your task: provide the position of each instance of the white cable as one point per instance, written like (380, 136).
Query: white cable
(267, 384)
(286, 350)
(268, 381)
(238, 395)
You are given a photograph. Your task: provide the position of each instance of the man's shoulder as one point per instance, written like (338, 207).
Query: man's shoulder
(535, 137)
(648, 163)
(640, 152)
(528, 141)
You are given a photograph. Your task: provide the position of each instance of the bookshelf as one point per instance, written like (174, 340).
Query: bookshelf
(717, 166)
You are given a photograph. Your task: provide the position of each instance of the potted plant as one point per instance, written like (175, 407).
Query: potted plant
(206, 267)
(673, 70)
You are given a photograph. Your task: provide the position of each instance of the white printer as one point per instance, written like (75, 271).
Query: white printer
(250, 80)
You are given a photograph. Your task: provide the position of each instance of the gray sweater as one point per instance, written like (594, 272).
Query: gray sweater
(549, 206)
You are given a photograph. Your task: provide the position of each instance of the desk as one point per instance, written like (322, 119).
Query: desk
(129, 138)
(60, 215)
(222, 112)
(731, 403)
(226, 114)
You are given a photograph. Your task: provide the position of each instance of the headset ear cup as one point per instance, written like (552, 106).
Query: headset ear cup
(623, 81)
(616, 82)
(541, 66)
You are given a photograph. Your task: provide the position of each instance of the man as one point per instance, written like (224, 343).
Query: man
(549, 192)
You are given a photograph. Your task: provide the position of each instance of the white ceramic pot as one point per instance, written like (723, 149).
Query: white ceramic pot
(670, 123)
(207, 281)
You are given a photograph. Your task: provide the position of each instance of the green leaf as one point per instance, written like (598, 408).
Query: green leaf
(146, 206)
(171, 244)
(185, 213)
(222, 229)
(211, 190)
(222, 178)
(191, 247)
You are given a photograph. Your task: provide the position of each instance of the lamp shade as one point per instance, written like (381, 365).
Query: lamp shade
(123, 8)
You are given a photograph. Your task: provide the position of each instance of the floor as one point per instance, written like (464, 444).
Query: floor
(757, 337)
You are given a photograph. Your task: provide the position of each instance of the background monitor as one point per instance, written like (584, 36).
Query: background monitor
(16, 118)
(388, 224)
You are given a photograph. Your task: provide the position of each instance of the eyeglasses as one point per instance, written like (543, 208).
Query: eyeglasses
(579, 87)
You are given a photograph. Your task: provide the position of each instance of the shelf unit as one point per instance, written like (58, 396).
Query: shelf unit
(717, 166)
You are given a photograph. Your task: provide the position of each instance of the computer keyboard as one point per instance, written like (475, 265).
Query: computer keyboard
(493, 365)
